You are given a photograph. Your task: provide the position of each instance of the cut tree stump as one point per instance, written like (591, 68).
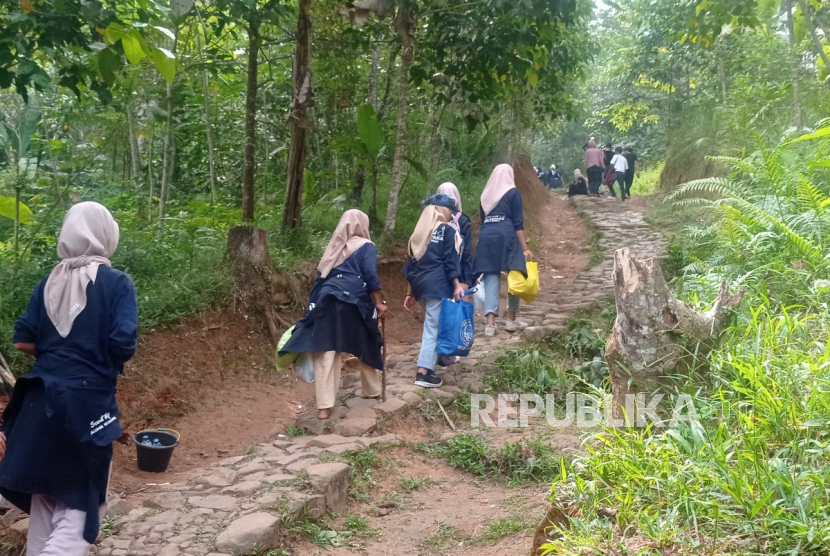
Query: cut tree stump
(644, 344)
(259, 287)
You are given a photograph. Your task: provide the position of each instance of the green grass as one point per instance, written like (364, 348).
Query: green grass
(410, 484)
(517, 463)
(561, 364)
(325, 535)
(294, 431)
(500, 528)
(648, 182)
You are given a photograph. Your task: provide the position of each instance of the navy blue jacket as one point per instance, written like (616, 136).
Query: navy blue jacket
(432, 276)
(498, 247)
(341, 315)
(65, 405)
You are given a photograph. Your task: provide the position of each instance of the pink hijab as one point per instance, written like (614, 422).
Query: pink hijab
(501, 181)
(351, 234)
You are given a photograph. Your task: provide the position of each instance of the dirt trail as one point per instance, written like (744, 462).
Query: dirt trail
(232, 485)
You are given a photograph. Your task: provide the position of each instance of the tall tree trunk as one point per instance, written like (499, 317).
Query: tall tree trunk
(135, 153)
(799, 116)
(403, 25)
(249, 169)
(208, 118)
(360, 181)
(722, 78)
(812, 28)
(169, 149)
(209, 133)
(389, 76)
(373, 77)
(303, 98)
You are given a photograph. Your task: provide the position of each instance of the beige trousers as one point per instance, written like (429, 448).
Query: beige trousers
(327, 367)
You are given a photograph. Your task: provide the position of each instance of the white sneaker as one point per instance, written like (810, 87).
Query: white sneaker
(514, 325)
(490, 330)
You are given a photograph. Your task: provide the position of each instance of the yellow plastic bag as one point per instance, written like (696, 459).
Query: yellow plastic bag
(525, 288)
(285, 361)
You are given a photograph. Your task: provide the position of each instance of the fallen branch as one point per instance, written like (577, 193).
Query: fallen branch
(447, 417)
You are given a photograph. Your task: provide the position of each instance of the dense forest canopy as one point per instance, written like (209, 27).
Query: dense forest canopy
(188, 118)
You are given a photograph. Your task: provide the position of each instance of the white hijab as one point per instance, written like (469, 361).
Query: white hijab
(501, 181)
(88, 239)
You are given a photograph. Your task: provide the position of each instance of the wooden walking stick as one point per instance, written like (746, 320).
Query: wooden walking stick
(383, 351)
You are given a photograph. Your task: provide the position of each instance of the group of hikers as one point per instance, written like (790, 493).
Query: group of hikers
(603, 166)
(346, 302)
(81, 326)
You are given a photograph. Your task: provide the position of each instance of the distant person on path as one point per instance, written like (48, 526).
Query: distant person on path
(501, 245)
(434, 273)
(344, 308)
(81, 326)
(620, 165)
(465, 227)
(555, 178)
(579, 185)
(633, 168)
(595, 165)
(609, 154)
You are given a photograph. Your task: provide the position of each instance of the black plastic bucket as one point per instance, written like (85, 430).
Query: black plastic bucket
(155, 459)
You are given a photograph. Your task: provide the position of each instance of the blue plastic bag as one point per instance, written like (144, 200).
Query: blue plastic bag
(456, 330)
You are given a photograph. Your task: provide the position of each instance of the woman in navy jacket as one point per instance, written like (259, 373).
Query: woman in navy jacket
(434, 273)
(81, 325)
(501, 245)
(465, 228)
(343, 311)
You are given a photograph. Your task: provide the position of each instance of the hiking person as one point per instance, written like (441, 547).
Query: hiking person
(620, 165)
(555, 177)
(465, 227)
(579, 186)
(608, 151)
(344, 307)
(434, 273)
(501, 245)
(595, 164)
(633, 168)
(81, 326)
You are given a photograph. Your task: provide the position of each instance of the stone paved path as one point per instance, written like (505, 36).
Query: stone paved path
(243, 501)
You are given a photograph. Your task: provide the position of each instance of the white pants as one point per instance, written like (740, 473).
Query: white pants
(54, 529)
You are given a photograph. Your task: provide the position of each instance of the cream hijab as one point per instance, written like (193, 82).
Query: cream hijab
(351, 234)
(501, 181)
(578, 174)
(451, 191)
(88, 239)
(432, 217)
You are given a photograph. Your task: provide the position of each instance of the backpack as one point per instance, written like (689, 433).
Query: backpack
(610, 176)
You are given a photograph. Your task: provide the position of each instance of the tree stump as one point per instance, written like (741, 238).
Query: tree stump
(259, 287)
(644, 344)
